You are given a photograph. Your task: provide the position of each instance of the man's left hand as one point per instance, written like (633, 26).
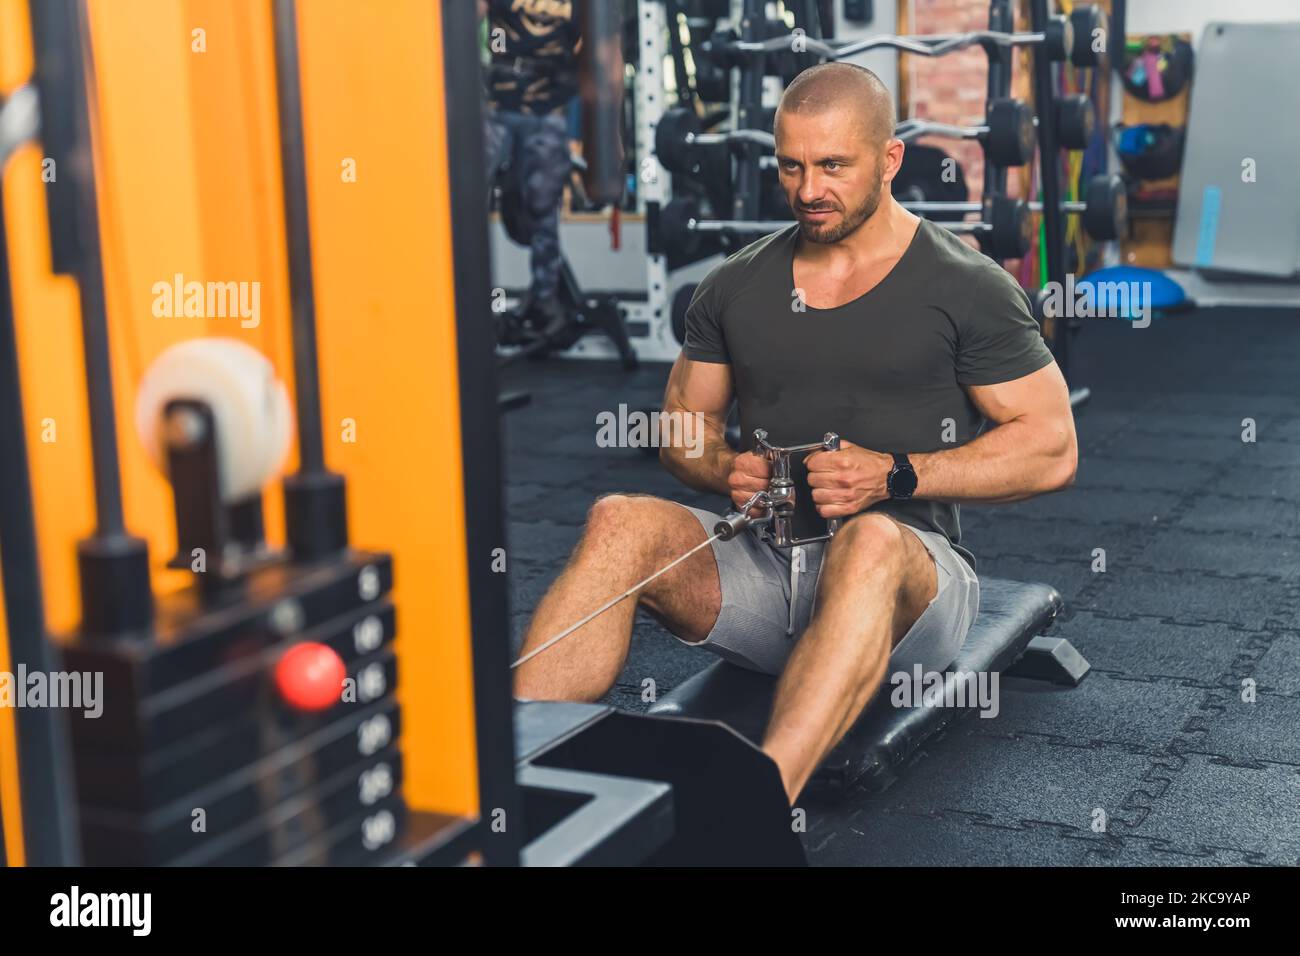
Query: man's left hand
(847, 481)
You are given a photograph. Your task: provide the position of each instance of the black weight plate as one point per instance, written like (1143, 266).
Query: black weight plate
(1074, 121)
(674, 221)
(1089, 25)
(671, 148)
(929, 174)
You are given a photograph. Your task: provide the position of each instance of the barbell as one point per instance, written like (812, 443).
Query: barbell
(1062, 39)
(1104, 207)
(1007, 135)
(1006, 225)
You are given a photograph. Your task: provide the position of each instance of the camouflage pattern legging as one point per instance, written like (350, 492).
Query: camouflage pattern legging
(535, 150)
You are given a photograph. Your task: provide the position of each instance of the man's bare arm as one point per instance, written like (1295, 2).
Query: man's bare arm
(1030, 450)
(700, 391)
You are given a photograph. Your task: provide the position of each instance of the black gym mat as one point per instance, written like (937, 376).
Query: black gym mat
(1155, 759)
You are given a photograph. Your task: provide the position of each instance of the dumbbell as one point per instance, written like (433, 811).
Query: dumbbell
(1104, 208)
(1006, 225)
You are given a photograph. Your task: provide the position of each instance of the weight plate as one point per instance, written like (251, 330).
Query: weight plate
(1011, 134)
(1074, 121)
(1105, 213)
(1059, 41)
(1089, 26)
(671, 148)
(674, 220)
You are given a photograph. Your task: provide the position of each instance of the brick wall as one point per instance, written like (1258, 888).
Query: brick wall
(952, 88)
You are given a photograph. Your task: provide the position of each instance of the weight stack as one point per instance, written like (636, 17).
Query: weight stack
(197, 757)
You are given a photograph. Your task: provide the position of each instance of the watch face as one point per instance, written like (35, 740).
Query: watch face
(902, 482)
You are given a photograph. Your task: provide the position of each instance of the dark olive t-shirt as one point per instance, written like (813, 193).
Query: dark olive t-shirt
(885, 371)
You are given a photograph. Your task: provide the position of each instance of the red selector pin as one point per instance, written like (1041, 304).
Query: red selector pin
(310, 677)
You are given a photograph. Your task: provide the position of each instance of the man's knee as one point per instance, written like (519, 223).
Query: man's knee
(627, 518)
(869, 543)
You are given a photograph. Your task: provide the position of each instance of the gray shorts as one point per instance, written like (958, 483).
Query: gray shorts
(767, 603)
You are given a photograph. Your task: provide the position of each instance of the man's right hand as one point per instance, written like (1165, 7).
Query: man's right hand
(749, 474)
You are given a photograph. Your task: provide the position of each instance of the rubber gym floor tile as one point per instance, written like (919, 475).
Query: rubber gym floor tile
(520, 495)
(1132, 851)
(1138, 446)
(539, 546)
(1214, 805)
(1149, 648)
(1269, 454)
(1029, 779)
(1277, 484)
(1213, 399)
(986, 531)
(1096, 441)
(1247, 732)
(545, 503)
(528, 583)
(1190, 597)
(518, 627)
(1093, 420)
(580, 438)
(1216, 423)
(891, 839)
(1099, 471)
(1284, 430)
(1264, 516)
(551, 470)
(1100, 710)
(1278, 670)
(1135, 506)
(1227, 553)
(648, 477)
(1069, 578)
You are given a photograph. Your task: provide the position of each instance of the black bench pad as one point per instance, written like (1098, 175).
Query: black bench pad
(1011, 614)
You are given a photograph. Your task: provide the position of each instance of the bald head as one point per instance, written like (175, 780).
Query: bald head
(844, 87)
(836, 154)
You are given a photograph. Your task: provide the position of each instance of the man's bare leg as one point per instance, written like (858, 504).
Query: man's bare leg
(627, 538)
(876, 580)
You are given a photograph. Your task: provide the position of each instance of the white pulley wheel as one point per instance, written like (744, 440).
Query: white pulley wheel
(250, 408)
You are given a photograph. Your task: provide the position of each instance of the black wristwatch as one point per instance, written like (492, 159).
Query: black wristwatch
(902, 479)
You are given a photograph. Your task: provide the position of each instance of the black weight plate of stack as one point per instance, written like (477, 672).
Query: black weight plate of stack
(194, 719)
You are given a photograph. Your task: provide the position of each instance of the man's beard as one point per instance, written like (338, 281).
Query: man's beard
(850, 224)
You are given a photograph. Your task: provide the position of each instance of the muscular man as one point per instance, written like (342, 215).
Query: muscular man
(860, 319)
(534, 46)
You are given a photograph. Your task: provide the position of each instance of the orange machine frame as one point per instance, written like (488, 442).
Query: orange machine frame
(187, 164)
